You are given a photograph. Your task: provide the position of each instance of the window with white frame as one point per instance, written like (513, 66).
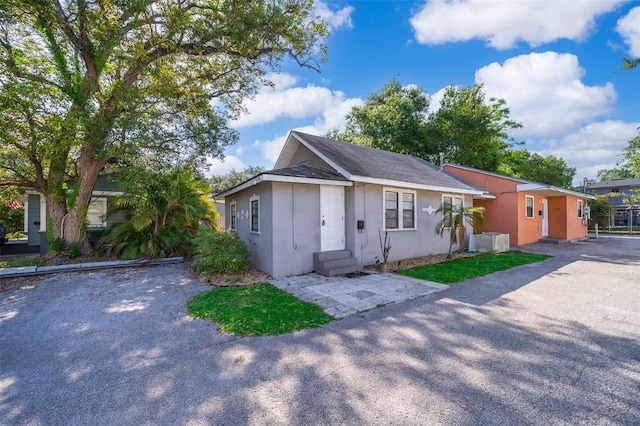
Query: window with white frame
(254, 214)
(450, 200)
(528, 207)
(399, 209)
(97, 213)
(233, 222)
(580, 209)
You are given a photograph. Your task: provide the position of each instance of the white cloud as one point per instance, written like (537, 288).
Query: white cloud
(335, 19)
(592, 148)
(331, 118)
(629, 28)
(292, 102)
(503, 23)
(295, 102)
(545, 93)
(219, 167)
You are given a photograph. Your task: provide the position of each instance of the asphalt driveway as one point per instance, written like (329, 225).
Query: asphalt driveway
(551, 343)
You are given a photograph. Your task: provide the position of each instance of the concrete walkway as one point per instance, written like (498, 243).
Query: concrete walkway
(341, 296)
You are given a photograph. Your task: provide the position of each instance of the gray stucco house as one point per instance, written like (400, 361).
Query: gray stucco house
(322, 206)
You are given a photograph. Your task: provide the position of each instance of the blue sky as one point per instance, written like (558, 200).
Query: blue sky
(554, 62)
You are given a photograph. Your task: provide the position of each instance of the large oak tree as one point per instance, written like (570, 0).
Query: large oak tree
(85, 83)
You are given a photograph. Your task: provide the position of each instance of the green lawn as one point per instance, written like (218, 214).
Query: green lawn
(464, 268)
(256, 310)
(19, 263)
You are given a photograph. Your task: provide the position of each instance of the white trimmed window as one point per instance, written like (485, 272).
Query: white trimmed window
(528, 213)
(254, 214)
(97, 213)
(448, 199)
(580, 209)
(399, 209)
(233, 221)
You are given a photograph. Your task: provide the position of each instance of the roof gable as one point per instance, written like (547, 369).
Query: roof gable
(363, 164)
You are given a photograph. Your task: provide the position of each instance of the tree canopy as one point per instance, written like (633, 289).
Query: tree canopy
(467, 128)
(532, 166)
(630, 167)
(470, 130)
(222, 183)
(393, 119)
(84, 84)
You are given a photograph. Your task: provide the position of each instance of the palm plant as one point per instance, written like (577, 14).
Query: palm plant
(163, 212)
(455, 219)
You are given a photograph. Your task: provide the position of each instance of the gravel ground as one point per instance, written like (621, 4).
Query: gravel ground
(556, 342)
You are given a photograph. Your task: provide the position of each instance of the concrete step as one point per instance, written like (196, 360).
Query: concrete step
(548, 240)
(336, 262)
(343, 270)
(321, 256)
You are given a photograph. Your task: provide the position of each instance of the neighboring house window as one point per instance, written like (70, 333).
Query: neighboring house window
(97, 213)
(399, 209)
(254, 203)
(580, 209)
(232, 207)
(529, 207)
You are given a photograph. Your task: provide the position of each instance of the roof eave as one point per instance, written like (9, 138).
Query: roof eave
(266, 177)
(550, 190)
(413, 185)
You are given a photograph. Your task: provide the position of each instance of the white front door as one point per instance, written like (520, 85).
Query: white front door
(331, 218)
(545, 219)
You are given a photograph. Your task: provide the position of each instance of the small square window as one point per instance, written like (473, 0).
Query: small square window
(529, 207)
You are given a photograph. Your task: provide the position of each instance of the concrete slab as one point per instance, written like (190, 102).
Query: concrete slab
(341, 296)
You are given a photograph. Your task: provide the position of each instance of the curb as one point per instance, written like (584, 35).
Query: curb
(28, 271)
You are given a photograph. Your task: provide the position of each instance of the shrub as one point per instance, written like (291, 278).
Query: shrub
(162, 210)
(220, 253)
(58, 245)
(74, 250)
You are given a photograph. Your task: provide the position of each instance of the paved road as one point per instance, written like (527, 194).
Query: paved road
(551, 343)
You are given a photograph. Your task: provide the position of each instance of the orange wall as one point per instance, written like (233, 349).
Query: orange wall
(529, 229)
(558, 217)
(500, 217)
(575, 228)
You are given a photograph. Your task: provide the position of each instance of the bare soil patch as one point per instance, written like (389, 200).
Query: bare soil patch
(422, 260)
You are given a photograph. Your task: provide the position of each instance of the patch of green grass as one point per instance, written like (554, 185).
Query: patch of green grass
(20, 263)
(256, 310)
(464, 268)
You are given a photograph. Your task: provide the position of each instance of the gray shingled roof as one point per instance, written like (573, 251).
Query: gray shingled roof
(306, 171)
(615, 183)
(375, 163)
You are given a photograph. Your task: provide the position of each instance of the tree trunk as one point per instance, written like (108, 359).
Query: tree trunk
(69, 223)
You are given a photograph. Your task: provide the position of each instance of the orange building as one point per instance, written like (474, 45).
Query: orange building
(527, 211)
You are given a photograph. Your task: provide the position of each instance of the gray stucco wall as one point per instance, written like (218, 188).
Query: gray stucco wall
(364, 202)
(260, 245)
(296, 226)
(290, 226)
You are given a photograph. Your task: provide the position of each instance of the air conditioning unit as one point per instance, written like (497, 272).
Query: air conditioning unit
(489, 242)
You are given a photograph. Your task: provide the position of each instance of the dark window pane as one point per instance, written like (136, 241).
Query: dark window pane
(407, 219)
(255, 211)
